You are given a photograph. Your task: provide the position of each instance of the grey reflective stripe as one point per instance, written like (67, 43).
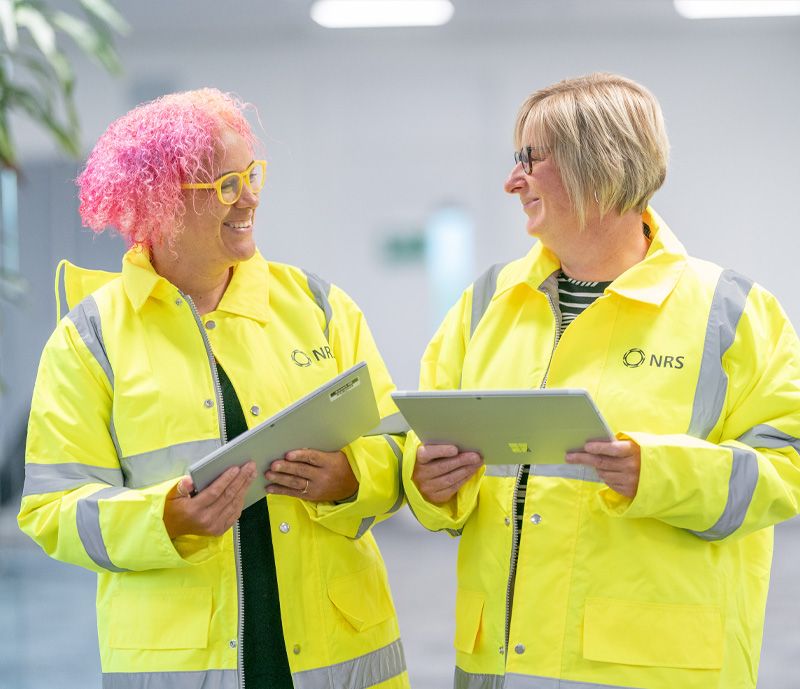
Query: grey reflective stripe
(727, 307)
(573, 471)
(113, 432)
(320, 289)
(87, 519)
(764, 435)
(54, 478)
(203, 679)
(86, 319)
(400, 492)
(149, 468)
(366, 522)
(359, 673)
(394, 424)
(502, 470)
(469, 680)
(741, 486)
(482, 292)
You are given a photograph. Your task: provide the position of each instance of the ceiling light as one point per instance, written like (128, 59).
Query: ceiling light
(718, 9)
(344, 14)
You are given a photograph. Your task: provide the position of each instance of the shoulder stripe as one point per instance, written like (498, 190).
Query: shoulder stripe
(727, 307)
(86, 319)
(321, 290)
(483, 290)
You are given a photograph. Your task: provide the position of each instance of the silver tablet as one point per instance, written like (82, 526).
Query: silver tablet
(326, 419)
(505, 426)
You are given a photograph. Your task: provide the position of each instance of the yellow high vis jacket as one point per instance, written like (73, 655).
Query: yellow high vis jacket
(126, 399)
(667, 590)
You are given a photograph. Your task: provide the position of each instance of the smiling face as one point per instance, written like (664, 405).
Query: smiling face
(544, 199)
(214, 236)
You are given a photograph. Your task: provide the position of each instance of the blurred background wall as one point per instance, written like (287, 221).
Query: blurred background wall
(369, 134)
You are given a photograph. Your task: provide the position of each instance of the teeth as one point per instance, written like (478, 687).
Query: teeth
(238, 225)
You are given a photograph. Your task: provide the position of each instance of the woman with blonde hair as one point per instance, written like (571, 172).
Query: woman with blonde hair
(642, 561)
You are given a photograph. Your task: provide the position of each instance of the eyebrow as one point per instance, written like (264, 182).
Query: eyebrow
(222, 174)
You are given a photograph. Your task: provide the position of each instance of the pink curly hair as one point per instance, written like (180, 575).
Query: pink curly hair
(133, 176)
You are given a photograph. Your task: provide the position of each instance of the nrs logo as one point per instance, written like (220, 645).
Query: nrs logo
(302, 359)
(635, 357)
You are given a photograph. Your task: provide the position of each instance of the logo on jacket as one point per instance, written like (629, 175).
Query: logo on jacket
(302, 359)
(635, 357)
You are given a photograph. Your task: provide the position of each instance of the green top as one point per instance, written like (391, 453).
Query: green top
(264, 650)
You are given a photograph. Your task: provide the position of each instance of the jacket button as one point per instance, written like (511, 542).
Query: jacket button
(296, 649)
(255, 410)
(208, 404)
(178, 301)
(536, 518)
(284, 527)
(502, 650)
(210, 325)
(232, 643)
(507, 520)
(519, 649)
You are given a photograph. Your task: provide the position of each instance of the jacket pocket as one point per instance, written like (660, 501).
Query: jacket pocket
(469, 613)
(653, 634)
(160, 619)
(362, 597)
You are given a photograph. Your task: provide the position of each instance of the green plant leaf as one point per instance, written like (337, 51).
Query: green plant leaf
(94, 43)
(108, 14)
(8, 23)
(42, 113)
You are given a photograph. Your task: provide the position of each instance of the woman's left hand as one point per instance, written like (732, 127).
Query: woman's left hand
(617, 462)
(312, 475)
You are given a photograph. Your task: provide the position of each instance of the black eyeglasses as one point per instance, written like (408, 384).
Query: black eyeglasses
(528, 156)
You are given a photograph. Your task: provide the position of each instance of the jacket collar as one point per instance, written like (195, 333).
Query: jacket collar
(247, 294)
(650, 281)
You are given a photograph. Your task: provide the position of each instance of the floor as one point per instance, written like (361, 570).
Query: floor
(48, 637)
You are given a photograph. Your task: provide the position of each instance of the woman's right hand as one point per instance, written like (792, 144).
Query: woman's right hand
(213, 510)
(441, 470)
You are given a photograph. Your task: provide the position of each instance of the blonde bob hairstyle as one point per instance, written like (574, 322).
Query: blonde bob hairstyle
(607, 138)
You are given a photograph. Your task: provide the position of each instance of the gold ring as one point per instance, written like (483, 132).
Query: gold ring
(305, 490)
(180, 489)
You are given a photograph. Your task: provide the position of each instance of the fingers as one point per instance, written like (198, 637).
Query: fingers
(293, 475)
(429, 453)
(438, 479)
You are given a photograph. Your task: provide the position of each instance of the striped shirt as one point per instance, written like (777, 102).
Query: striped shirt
(573, 297)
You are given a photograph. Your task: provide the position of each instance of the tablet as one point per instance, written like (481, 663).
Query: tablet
(326, 419)
(505, 426)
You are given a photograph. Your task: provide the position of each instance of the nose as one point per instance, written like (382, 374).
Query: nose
(515, 180)
(249, 198)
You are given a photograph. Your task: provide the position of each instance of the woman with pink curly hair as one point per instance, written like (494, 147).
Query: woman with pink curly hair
(196, 340)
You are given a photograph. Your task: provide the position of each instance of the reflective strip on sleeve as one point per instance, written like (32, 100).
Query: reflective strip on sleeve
(394, 424)
(204, 679)
(149, 468)
(321, 289)
(741, 486)
(727, 307)
(86, 319)
(469, 680)
(768, 436)
(88, 523)
(362, 672)
(55, 478)
(573, 471)
(400, 492)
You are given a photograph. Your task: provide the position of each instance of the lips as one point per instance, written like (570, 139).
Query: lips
(530, 202)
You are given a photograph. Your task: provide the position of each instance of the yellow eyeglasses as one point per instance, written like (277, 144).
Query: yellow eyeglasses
(229, 187)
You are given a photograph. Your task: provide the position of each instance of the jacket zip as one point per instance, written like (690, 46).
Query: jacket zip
(512, 571)
(223, 434)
